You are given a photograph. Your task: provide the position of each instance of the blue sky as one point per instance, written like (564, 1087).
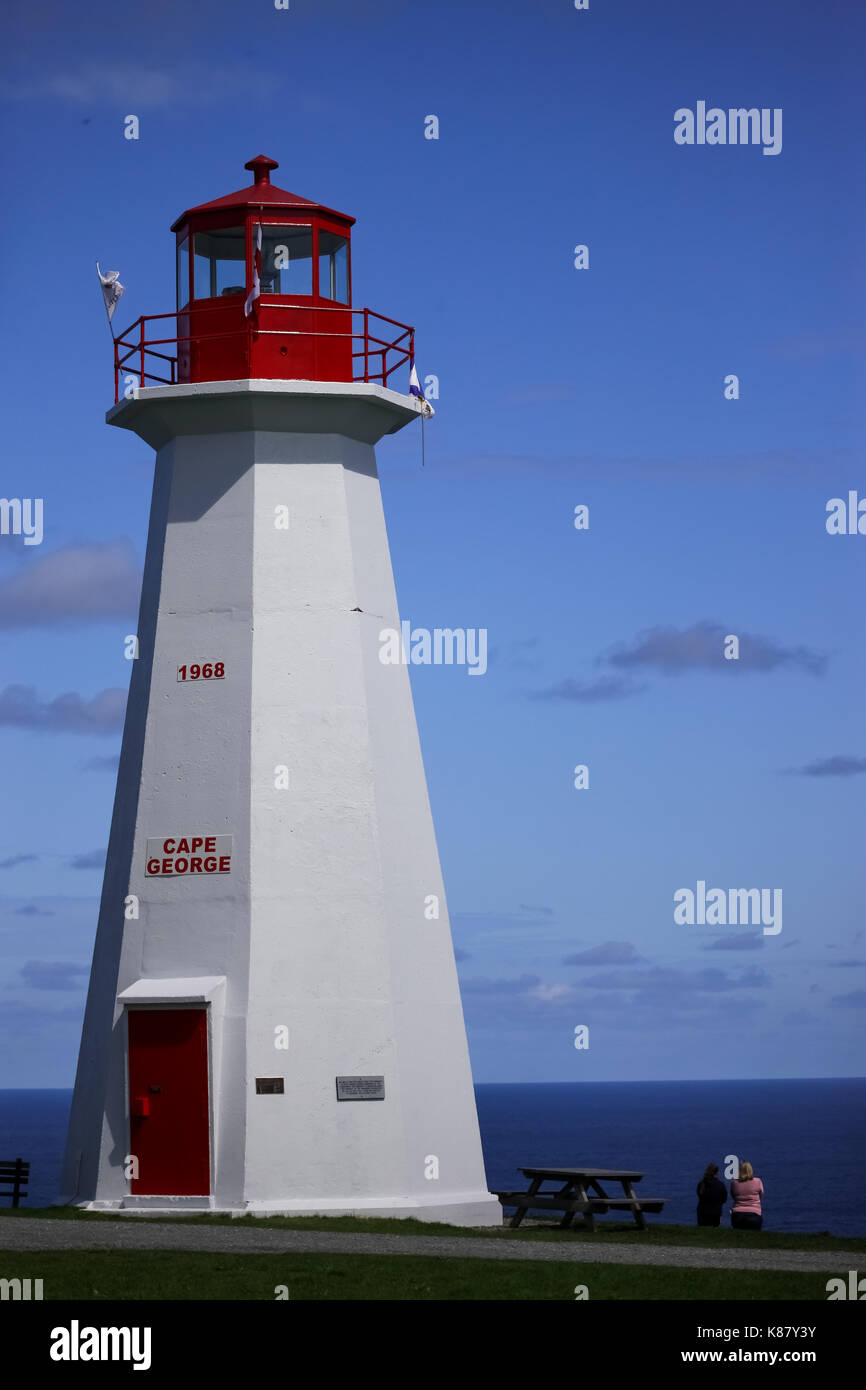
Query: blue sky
(557, 387)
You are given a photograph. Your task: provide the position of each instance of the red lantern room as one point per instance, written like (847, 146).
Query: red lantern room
(264, 290)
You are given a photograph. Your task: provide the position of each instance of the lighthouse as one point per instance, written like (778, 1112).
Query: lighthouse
(273, 1022)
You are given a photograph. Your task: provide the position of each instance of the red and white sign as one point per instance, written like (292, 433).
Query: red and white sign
(202, 671)
(180, 856)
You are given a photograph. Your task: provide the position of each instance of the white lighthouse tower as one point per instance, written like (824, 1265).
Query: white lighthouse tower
(273, 1023)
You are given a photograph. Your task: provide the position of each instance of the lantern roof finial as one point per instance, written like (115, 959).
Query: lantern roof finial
(261, 167)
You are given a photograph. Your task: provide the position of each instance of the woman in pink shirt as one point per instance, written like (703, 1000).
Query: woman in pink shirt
(746, 1194)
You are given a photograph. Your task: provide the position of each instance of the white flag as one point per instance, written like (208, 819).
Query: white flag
(111, 289)
(255, 292)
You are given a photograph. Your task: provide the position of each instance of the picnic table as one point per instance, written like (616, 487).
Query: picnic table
(580, 1190)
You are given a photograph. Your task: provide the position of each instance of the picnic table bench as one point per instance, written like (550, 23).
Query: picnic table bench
(14, 1173)
(579, 1190)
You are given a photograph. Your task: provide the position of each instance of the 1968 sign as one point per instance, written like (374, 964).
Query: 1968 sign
(202, 671)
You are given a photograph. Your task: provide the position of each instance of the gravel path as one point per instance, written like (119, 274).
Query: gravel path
(134, 1234)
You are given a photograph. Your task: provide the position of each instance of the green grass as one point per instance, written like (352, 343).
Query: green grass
(607, 1232)
(179, 1275)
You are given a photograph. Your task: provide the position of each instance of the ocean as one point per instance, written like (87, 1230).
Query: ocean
(805, 1139)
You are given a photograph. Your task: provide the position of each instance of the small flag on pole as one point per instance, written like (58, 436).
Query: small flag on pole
(111, 289)
(414, 384)
(255, 292)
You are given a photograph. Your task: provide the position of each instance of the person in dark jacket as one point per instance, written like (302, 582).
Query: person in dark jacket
(712, 1195)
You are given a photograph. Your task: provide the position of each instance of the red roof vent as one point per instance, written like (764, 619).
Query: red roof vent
(261, 167)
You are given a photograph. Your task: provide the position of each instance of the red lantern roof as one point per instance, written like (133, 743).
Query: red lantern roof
(261, 194)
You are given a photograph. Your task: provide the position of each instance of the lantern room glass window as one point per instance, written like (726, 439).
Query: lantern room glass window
(333, 267)
(183, 273)
(287, 260)
(219, 263)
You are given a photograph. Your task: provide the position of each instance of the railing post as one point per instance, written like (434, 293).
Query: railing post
(141, 344)
(116, 374)
(366, 346)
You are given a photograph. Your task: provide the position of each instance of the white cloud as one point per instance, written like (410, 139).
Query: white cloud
(79, 583)
(550, 993)
(138, 86)
(21, 708)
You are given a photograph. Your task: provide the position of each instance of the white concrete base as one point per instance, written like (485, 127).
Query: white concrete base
(176, 1206)
(454, 1209)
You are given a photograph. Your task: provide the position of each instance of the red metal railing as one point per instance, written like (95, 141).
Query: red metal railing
(374, 358)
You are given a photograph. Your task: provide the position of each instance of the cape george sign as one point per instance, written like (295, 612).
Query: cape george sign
(189, 854)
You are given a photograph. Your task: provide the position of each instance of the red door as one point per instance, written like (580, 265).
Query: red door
(168, 1095)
